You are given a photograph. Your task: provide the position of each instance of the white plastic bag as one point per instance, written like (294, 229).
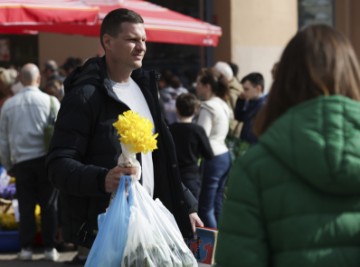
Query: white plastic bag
(154, 239)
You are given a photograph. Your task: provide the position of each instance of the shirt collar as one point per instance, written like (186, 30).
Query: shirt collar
(27, 88)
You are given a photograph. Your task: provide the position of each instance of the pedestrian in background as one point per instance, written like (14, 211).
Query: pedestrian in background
(55, 88)
(70, 64)
(169, 95)
(294, 198)
(248, 105)
(191, 142)
(50, 72)
(22, 149)
(5, 86)
(235, 89)
(214, 116)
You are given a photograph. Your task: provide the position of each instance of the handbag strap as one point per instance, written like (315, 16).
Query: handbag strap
(52, 113)
(235, 130)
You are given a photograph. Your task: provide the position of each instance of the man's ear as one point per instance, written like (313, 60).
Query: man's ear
(259, 89)
(107, 41)
(38, 80)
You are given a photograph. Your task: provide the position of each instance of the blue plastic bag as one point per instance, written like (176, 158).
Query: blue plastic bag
(108, 248)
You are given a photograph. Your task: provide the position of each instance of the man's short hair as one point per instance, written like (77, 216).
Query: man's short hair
(187, 104)
(255, 78)
(51, 65)
(111, 24)
(71, 63)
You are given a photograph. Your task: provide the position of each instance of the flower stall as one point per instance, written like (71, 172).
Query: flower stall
(9, 214)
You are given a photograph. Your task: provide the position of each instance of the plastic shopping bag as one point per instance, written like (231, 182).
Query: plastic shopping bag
(154, 239)
(110, 241)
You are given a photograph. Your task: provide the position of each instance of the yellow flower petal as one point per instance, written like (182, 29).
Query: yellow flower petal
(136, 132)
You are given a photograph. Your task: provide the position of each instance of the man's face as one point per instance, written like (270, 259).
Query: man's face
(128, 47)
(251, 92)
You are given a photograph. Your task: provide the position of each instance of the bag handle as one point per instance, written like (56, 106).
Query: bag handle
(52, 114)
(235, 130)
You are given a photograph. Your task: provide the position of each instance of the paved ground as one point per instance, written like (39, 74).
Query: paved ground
(10, 260)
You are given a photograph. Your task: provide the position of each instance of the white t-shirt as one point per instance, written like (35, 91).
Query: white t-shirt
(131, 95)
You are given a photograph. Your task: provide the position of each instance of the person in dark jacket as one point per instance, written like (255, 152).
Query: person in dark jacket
(82, 160)
(249, 104)
(191, 142)
(294, 198)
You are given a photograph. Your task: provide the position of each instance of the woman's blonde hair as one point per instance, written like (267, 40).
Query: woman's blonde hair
(6, 80)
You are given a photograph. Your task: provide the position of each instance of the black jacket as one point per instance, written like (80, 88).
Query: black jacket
(85, 146)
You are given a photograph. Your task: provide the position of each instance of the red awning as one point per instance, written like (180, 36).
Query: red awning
(161, 24)
(19, 16)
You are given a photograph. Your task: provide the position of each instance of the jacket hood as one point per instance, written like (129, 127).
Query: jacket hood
(93, 72)
(319, 141)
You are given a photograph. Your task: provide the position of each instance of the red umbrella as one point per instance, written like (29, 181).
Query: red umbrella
(21, 16)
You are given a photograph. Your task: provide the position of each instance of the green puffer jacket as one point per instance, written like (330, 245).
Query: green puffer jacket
(294, 199)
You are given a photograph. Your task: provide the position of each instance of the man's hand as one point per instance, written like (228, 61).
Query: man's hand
(242, 96)
(112, 178)
(195, 221)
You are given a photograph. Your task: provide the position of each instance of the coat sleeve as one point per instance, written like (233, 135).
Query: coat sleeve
(4, 142)
(242, 236)
(240, 110)
(66, 160)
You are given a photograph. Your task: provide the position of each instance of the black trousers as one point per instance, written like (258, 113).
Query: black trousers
(32, 187)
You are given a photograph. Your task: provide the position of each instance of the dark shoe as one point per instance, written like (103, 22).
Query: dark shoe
(64, 247)
(76, 261)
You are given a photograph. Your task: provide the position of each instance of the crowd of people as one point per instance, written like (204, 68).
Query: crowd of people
(292, 195)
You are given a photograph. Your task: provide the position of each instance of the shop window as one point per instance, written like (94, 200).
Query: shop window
(182, 60)
(16, 50)
(316, 11)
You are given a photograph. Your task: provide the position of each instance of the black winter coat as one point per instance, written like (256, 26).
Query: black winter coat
(85, 146)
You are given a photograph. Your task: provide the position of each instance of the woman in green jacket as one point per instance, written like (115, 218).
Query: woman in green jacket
(294, 199)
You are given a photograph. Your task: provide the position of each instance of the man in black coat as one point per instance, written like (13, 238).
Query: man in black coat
(82, 161)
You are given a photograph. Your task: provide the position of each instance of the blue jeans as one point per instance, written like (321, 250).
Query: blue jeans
(211, 199)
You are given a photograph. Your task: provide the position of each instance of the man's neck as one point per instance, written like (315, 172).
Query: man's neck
(255, 98)
(34, 84)
(117, 73)
(185, 119)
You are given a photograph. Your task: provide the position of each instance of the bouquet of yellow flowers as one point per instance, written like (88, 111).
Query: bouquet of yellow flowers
(136, 132)
(136, 135)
